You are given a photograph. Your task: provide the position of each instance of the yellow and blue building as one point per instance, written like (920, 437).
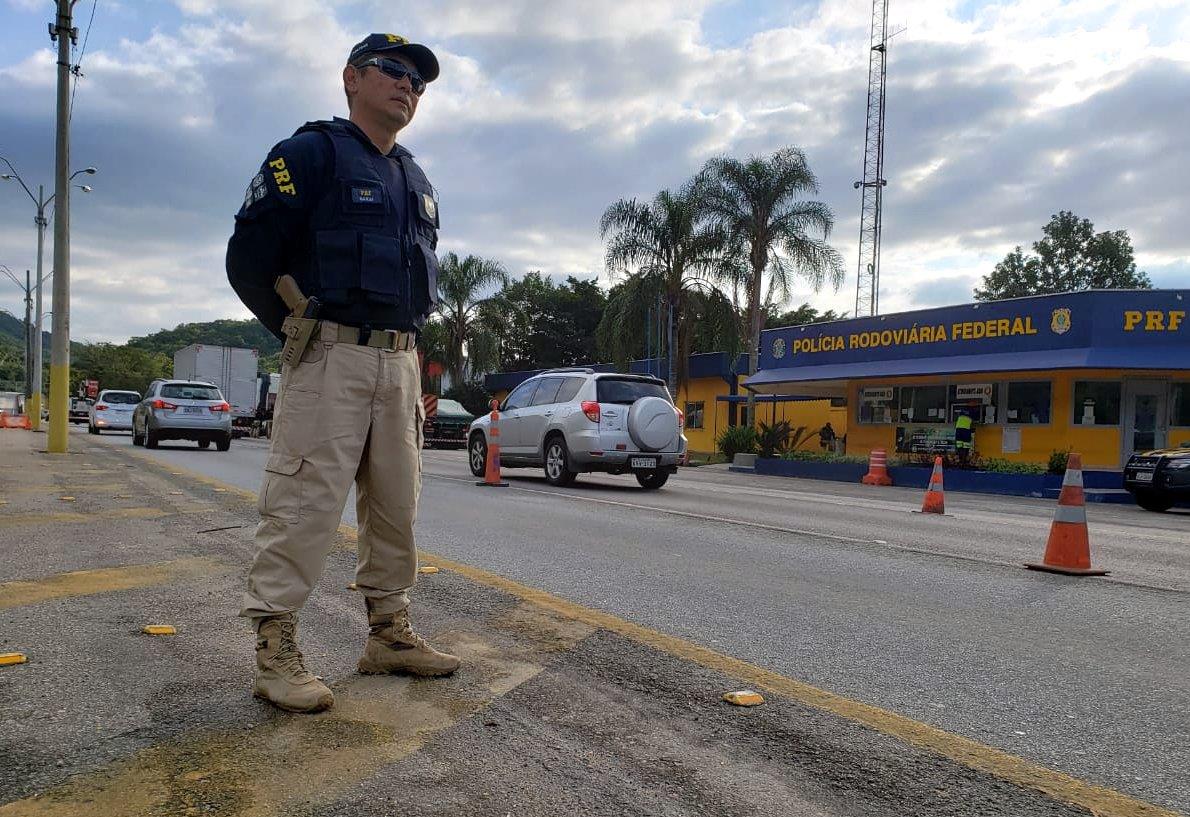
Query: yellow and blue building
(1103, 373)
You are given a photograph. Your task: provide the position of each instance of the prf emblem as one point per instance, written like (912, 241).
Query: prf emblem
(281, 177)
(1060, 321)
(396, 39)
(431, 205)
(779, 348)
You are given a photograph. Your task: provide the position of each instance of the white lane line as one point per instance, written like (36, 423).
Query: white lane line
(686, 514)
(962, 557)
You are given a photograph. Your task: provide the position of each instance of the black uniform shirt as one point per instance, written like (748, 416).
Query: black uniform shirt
(272, 233)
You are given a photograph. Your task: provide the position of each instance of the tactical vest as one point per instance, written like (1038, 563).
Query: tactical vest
(375, 229)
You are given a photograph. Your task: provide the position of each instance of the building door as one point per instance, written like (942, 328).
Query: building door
(1146, 415)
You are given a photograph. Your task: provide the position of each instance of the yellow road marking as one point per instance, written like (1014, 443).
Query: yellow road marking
(286, 765)
(1099, 800)
(104, 580)
(15, 519)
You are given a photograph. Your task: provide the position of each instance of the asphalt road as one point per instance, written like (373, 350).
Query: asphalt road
(844, 588)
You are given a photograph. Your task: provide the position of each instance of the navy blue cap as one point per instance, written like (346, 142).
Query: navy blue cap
(423, 58)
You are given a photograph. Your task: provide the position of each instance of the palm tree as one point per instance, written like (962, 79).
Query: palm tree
(666, 250)
(759, 204)
(462, 285)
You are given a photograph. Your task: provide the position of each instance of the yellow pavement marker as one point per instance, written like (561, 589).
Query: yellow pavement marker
(427, 569)
(159, 629)
(10, 658)
(743, 697)
(66, 498)
(105, 580)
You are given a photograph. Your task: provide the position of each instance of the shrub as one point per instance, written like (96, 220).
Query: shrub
(1000, 466)
(1057, 463)
(737, 440)
(824, 456)
(773, 439)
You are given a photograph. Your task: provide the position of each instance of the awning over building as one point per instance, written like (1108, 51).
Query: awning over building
(831, 379)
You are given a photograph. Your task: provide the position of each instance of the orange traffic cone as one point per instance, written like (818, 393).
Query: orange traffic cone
(1069, 547)
(877, 468)
(934, 502)
(491, 476)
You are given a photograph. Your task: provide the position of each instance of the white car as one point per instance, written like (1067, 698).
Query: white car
(572, 421)
(112, 411)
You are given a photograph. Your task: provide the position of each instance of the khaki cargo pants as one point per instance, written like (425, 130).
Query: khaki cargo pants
(345, 413)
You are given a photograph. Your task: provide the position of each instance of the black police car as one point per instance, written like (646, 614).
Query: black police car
(1159, 479)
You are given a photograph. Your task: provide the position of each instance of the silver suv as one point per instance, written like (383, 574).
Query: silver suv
(182, 410)
(572, 421)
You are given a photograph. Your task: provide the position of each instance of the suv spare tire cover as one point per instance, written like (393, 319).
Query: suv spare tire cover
(653, 424)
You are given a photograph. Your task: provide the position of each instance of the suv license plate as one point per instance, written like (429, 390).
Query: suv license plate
(642, 462)
(1144, 476)
(193, 410)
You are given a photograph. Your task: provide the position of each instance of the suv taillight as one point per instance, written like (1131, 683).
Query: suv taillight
(221, 407)
(161, 404)
(681, 419)
(101, 407)
(591, 409)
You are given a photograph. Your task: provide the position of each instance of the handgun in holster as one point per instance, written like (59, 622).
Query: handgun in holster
(300, 326)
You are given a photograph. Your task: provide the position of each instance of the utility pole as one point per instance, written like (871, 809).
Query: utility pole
(61, 31)
(28, 339)
(38, 335)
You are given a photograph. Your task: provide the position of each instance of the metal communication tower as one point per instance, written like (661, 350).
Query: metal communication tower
(867, 292)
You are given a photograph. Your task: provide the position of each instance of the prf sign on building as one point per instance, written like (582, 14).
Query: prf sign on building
(1103, 373)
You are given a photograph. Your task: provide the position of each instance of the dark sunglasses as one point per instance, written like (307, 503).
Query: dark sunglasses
(396, 70)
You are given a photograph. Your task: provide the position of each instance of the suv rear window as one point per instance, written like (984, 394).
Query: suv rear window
(627, 392)
(190, 391)
(121, 398)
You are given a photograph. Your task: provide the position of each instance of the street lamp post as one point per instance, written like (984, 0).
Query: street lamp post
(41, 202)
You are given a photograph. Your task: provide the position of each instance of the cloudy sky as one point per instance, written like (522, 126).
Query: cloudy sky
(999, 114)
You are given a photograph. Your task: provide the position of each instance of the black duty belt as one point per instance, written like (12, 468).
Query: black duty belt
(390, 339)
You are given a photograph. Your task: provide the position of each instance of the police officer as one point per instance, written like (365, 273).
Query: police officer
(345, 211)
(964, 434)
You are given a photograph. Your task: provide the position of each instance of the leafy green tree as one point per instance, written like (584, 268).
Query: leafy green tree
(666, 248)
(804, 314)
(1070, 257)
(760, 204)
(117, 367)
(466, 287)
(546, 325)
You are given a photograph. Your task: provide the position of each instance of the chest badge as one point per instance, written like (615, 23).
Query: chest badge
(365, 195)
(430, 204)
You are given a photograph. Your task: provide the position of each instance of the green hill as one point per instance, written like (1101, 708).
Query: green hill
(248, 334)
(12, 329)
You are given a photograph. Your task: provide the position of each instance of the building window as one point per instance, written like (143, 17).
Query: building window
(1180, 399)
(878, 404)
(1096, 403)
(1028, 402)
(694, 414)
(923, 404)
(981, 400)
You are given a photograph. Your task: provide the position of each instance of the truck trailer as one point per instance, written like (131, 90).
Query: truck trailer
(232, 369)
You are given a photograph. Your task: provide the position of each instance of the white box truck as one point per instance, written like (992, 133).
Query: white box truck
(232, 369)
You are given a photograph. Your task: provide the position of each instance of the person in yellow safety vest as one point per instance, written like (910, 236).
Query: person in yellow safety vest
(964, 435)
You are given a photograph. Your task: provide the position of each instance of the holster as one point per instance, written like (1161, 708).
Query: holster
(298, 332)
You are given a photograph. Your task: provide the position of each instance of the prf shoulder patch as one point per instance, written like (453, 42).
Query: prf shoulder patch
(281, 177)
